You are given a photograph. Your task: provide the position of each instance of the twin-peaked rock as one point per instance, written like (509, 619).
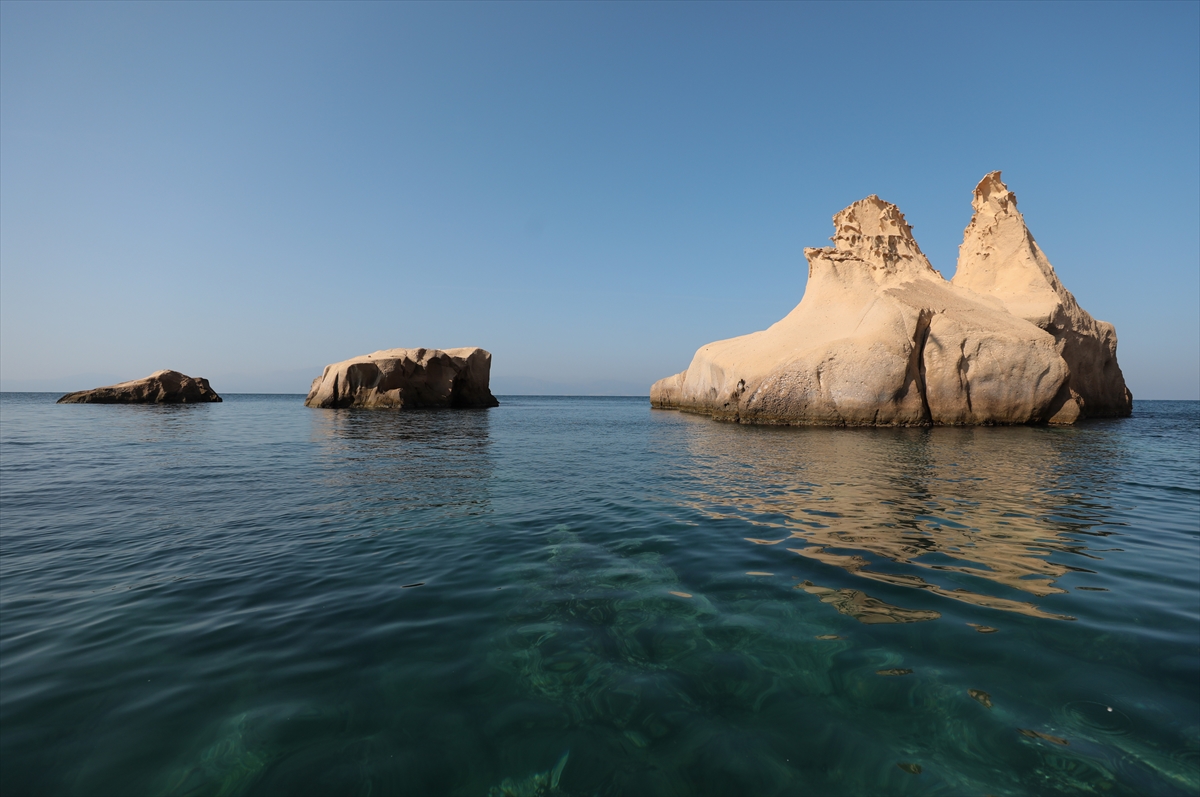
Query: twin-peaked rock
(880, 338)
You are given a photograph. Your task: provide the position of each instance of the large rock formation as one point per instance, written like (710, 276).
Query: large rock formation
(880, 338)
(1000, 260)
(407, 379)
(161, 387)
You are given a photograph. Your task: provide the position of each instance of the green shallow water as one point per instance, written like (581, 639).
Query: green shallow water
(586, 597)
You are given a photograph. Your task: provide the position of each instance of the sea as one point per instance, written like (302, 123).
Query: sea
(586, 596)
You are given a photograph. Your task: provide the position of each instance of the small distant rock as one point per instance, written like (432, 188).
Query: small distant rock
(407, 379)
(161, 387)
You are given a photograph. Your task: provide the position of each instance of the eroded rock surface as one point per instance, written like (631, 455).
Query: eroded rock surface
(407, 379)
(880, 338)
(161, 387)
(999, 259)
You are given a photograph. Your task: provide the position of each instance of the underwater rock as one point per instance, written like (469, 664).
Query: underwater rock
(881, 338)
(407, 379)
(535, 785)
(1039, 735)
(983, 697)
(231, 764)
(598, 636)
(161, 387)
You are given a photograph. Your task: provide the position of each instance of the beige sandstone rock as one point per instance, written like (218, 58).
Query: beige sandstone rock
(880, 338)
(407, 379)
(1000, 260)
(161, 387)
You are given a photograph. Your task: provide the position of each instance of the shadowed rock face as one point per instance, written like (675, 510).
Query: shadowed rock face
(880, 338)
(407, 379)
(161, 387)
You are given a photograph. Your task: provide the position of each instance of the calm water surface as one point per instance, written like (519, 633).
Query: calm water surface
(587, 597)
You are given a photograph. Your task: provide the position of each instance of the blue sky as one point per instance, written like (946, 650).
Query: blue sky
(591, 192)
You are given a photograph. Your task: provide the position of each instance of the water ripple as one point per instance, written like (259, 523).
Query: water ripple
(584, 596)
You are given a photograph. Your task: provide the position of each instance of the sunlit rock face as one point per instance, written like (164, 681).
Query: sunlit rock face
(407, 379)
(880, 338)
(161, 387)
(1000, 260)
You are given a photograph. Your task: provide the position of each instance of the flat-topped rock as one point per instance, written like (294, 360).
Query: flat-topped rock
(161, 387)
(407, 379)
(881, 338)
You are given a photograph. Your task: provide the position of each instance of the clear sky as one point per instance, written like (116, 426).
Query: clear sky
(591, 192)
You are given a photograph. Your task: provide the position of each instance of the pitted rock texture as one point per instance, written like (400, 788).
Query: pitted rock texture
(407, 379)
(161, 387)
(880, 338)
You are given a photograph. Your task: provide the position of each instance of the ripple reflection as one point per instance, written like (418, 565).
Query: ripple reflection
(969, 514)
(429, 460)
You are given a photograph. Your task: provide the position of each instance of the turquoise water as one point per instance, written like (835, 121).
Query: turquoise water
(583, 596)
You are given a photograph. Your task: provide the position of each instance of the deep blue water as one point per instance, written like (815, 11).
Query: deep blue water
(584, 596)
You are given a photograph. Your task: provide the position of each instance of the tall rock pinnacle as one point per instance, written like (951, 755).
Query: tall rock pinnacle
(1000, 259)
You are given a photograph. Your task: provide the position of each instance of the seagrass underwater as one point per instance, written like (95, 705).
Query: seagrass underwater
(587, 596)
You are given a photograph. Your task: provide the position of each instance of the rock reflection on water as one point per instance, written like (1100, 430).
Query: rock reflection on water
(969, 513)
(864, 608)
(430, 460)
